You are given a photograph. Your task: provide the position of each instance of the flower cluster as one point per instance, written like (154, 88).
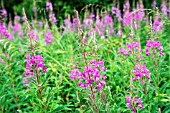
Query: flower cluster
(40, 24)
(117, 13)
(52, 18)
(48, 38)
(152, 46)
(130, 49)
(132, 103)
(17, 18)
(17, 26)
(75, 22)
(67, 26)
(3, 31)
(33, 63)
(123, 51)
(49, 6)
(88, 23)
(140, 14)
(127, 18)
(91, 76)
(140, 71)
(154, 5)
(164, 8)
(158, 24)
(3, 13)
(32, 35)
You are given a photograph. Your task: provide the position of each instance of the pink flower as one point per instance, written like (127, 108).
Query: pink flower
(140, 71)
(154, 46)
(134, 103)
(49, 6)
(90, 76)
(48, 38)
(3, 31)
(33, 63)
(117, 13)
(127, 18)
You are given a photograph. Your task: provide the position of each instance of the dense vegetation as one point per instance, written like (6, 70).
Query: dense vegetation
(107, 61)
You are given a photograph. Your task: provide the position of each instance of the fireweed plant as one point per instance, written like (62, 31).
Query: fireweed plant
(108, 61)
(34, 63)
(91, 76)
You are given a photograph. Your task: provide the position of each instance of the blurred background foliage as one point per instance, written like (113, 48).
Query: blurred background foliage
(64, 7)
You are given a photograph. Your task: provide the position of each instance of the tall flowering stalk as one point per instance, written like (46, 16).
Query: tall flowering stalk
(158, 25)
(92, 77)
(48, 37)
(49, 8)
(139, 75)
(3, 29)
(17, 26)
(35, 64)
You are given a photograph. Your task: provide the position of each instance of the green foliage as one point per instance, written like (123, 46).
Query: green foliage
(59, 93)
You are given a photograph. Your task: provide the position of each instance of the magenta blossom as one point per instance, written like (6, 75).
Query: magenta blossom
(157, 26)
(48, 38)
(127, 18)
(134, 103)
(3, 13)
(33, 63)
(49, 6)
(91, 76)
(3, 31)
(153, 47)
(117, 13)
(132, 47)
(140, 71)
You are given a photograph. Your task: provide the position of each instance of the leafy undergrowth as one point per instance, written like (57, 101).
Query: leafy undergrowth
(104, 63)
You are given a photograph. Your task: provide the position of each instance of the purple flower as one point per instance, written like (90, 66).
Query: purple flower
(52, 18)
(3, 31)
(67, 26)
(17, 27)
(117, 13)
(119, 32)
(108, 19)
(49, 6)
(128, 102)
(3, 13)
(127, 18)
(134, 103)
(17, 18)
(40, 24)
(154, 4)
(90, 76)
(32, 35)
(33, 63)
(88, 23)
(140, 71)
(123, 52)
(92, 16)
(75, 22)
(153, 47)
(139, 16)
(164, 8)
(158, 25)
(48, 38)
(132, 47)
